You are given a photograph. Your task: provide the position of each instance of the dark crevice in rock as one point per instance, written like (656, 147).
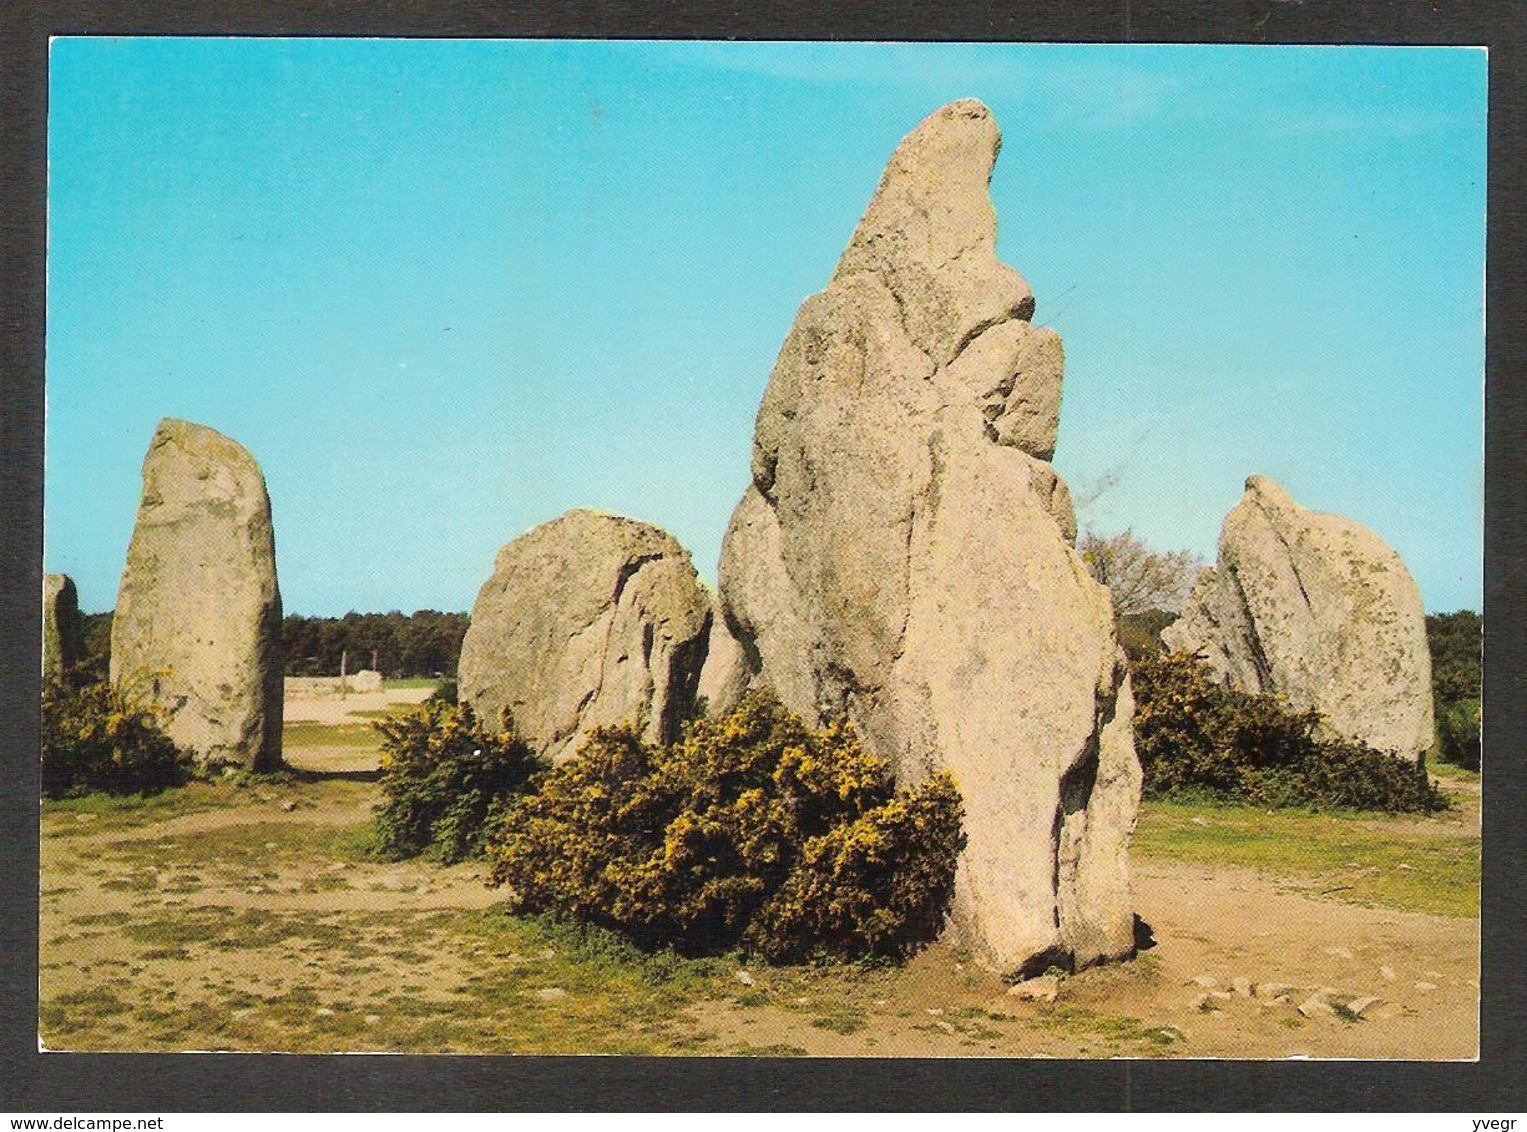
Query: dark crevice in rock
(684, 682)
(1293, 560)
(1010, 315)
(1254, 647)
(747, 641)
(628, 571)
(1055, 956)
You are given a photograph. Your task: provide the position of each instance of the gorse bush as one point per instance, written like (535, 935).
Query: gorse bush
(752, 830)
(98, 737)
(874, 886)
(1194, 736)
(445, 778)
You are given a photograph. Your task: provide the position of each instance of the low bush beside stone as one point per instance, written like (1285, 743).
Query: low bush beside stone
(99, 737)
(445, 779)
(1195, 736)
(753, 830)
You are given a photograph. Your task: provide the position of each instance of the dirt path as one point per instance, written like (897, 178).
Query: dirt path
(279, 858)
(1183, 997)
(354, 707)
(253, 917)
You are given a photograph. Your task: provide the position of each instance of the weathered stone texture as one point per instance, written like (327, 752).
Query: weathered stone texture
(197, 627)
(589, 620)
(1317, 609)
(62, 630)
(903, 556)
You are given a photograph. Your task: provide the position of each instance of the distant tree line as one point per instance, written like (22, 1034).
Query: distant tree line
(1455, 643)
(426, 643)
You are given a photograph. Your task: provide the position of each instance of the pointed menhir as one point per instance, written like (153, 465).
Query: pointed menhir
(903, 557)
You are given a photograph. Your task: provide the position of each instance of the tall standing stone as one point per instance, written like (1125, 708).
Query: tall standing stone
(904, 557)
(1319, 610)
(63, 632)
(197, 627)
(590, 620)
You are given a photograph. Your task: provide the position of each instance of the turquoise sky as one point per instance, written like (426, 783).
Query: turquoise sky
(445, 291)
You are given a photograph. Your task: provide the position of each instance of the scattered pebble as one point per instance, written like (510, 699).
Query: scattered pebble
(270, 845)
(254, 890)
(1199, 821)
(1432, 974)
(1425, 986)
(945, 1026)
(1315, 1006)
(934, 1010)
(1388, 973)
(324, 1012)
(1204, 981)
(1043, 989)
(288, 807)
(1222, 995)
(1241, 987)
(551, 994)
(373, 1019)
(746, 979)
(1338, 952)
(1359, 1005)
(549, 953)
(84, 817)
(1273, 990)
(1407, 868)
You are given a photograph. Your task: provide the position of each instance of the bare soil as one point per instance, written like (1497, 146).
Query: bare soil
(252, 917)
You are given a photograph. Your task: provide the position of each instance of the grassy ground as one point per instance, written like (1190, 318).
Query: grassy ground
(251, 914)
(353, 736)
(410, 682)
(1407, 864)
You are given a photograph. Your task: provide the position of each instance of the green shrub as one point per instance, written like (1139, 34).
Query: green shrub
(445, 692)
(1140, 633)
(1454, 641)
(752, 830)
(444, 781)
(1196, 737)
(1458, 733)
(98, 737)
